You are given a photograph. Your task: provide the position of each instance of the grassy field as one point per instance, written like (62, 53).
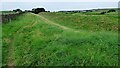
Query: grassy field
(61, 39)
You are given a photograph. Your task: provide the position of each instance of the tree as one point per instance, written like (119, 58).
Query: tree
(17, 10)
(28, 11)
(111, 10)
(37, 10)
(102, 12)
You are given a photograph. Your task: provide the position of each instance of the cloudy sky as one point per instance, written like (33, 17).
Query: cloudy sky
(59, 0)
(55, 5)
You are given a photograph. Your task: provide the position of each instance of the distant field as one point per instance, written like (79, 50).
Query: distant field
(61, 39)
(7, 12)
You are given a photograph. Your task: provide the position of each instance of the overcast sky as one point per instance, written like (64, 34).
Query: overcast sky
(59, 0)
(55, 5)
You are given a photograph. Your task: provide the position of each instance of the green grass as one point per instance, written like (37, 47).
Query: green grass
(81, 21)
(43, 44)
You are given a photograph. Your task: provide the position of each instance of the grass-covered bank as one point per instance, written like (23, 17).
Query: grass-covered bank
(86, 21)
(31, 41)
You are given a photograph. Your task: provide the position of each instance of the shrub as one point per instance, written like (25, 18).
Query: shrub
(111, 10)
(17, 10)
(102, 12)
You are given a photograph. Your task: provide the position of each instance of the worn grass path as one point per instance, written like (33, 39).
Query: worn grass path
(53, 23)
(11, 47)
